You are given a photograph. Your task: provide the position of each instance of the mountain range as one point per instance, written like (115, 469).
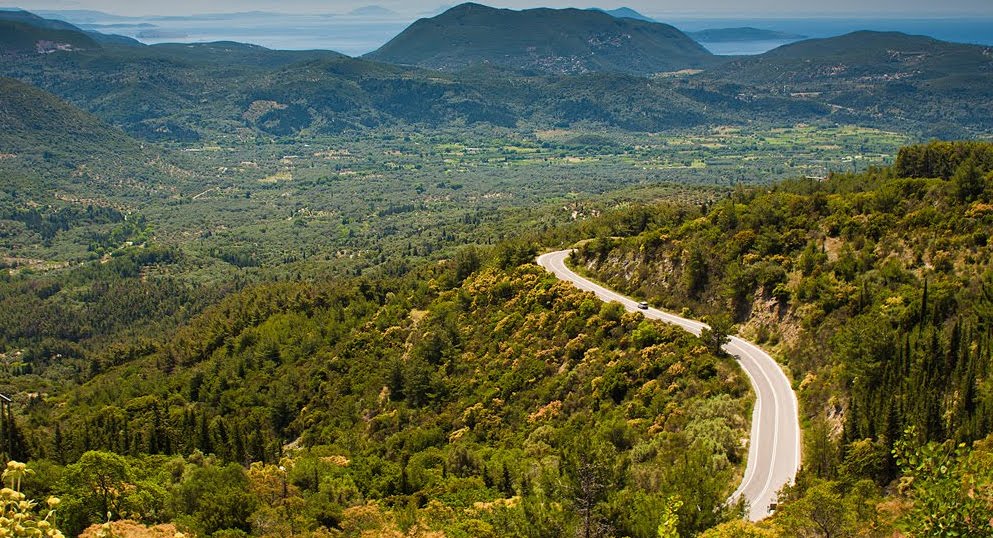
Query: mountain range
(466, 66)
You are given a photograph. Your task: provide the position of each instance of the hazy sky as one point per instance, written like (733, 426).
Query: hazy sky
(784, 8)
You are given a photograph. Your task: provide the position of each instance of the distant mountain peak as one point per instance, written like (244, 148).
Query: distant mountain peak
(625, 13)
(466, 6)
(565, 41)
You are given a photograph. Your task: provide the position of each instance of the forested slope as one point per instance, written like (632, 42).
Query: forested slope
(875, 289)
(886, 75)
(42, 132)
(509, 405)
(562, 41)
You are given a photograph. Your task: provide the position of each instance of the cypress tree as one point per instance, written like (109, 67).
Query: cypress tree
(506, 483)
(58, 445)
(238, 445)
(923, 315)
(203, 435)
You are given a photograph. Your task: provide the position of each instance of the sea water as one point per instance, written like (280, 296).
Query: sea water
(978, 31)
(358, 35)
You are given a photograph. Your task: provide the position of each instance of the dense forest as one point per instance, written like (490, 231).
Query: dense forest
(876, 291)
(479, 396)
(508, 404)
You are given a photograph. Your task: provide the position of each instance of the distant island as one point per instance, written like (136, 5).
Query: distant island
(726, 35)
(157, 33)
(373, 11)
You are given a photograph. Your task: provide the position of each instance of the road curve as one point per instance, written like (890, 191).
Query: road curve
(774, 450)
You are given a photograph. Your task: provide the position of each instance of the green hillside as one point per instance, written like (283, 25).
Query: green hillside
(874, 289)
(24, 38)
(35, 122)
(545, 40)
(235, 54)
(862, 54)
(182, 93)
(508, 403)
(48, 143)
(69, 179)
(26, 26)
(30, 19)
(479, 396)
(887, 75)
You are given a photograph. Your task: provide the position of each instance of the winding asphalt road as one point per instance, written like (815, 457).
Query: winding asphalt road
(774, 450)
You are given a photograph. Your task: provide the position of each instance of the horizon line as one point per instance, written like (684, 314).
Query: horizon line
(659, 17)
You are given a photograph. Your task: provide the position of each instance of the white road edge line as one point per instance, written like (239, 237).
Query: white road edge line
(775, 432)
(752, 447)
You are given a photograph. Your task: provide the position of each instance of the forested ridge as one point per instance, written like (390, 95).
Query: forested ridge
(564, 41)
(876, 291)
(509, 404)
(593, 68)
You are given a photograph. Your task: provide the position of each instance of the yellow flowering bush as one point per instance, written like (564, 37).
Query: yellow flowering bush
(18, 517)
